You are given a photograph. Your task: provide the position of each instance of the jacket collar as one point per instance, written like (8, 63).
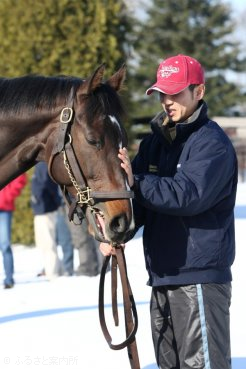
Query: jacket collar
(159, 124)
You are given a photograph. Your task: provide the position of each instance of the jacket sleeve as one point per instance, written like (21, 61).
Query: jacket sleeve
(203, 179)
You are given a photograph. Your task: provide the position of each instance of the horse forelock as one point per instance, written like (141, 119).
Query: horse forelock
(105, 103)
(33, 92)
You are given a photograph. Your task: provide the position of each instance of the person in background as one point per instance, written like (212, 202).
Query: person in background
(7, 205)
(45, 201)
(64, 239)
(185, 182)
(90, 260)
(51, 225)
(52, 228)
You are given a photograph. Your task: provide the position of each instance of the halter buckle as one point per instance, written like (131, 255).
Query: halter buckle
(84, 196)
(66, 115)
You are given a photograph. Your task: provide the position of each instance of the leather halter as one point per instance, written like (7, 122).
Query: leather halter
(86, 198)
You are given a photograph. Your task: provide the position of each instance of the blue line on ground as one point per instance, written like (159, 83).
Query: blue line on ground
(240, 211)
(239, 363)
(40, 313)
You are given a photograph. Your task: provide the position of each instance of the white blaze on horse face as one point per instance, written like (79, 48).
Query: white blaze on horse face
(115, 121)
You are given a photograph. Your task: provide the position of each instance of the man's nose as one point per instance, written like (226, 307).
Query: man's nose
(166, 99)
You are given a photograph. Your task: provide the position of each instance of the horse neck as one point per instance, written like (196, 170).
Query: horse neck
(23, 142)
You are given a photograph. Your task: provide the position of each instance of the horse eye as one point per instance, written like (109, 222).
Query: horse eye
(99, 145)
(93, 142)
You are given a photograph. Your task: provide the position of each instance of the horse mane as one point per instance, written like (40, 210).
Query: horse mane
(34, 92)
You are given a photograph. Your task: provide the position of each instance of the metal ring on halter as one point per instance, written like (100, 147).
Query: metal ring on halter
(66, 115)
(70, 138)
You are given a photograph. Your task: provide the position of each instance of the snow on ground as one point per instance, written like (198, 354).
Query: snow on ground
(55, 324)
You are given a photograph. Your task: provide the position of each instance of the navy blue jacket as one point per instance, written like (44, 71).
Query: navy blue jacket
(185, 196)
(45, 197)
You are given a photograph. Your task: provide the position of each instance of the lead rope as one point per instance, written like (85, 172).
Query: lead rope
(130, 312)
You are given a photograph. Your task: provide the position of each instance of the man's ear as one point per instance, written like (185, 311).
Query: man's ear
(199, 92)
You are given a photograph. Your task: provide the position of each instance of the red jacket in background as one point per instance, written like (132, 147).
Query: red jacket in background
(10, 192)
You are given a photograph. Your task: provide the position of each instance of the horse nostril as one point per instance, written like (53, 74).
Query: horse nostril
(119, 224)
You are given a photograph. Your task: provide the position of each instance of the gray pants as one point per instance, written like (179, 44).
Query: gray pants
(90, 259)
(191, 326)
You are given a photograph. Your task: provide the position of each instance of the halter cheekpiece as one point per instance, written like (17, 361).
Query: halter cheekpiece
(85, 197)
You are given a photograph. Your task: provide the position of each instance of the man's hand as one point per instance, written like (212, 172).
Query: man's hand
(126, 165)
(107, 249)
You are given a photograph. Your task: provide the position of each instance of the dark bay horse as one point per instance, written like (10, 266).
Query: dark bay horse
(75, 126)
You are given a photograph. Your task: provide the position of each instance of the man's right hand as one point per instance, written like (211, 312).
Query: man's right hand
(126, 165)
(107, 249)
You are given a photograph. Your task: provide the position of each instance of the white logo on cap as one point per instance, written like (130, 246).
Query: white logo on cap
(167, 71)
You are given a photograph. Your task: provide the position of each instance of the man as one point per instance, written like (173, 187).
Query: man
(185, 179)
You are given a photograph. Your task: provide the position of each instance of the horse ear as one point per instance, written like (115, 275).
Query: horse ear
(93, 82)
(117, 80)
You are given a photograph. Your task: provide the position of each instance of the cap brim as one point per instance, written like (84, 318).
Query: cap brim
(168, 90)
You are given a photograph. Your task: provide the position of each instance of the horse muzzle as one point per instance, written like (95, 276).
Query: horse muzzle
(114, 229)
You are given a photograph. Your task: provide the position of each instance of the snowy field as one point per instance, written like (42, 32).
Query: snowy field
(55, 324)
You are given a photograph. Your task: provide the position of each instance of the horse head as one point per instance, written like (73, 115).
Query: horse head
(86, 162)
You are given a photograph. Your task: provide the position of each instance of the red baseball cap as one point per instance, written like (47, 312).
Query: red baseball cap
(176, 73)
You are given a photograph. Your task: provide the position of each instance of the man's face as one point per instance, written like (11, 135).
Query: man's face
(181, 106)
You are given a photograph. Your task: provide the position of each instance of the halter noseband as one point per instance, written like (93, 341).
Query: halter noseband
(86, 198)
